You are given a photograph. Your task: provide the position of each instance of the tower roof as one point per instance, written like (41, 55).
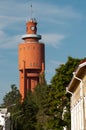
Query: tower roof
(31, 30)
(33, 20)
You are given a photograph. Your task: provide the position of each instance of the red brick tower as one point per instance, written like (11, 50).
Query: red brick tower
(31, 58)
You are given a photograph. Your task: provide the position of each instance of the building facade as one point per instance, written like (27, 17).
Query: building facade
(77, 89)
(31, 57)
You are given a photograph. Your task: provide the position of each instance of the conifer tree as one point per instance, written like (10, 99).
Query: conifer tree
(40, 97)
(29, 110)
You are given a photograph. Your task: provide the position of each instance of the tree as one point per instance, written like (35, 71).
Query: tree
(12, 101)
(29, 111)
(40, 96)
(58, 98)
(12, 98)
(48, 107)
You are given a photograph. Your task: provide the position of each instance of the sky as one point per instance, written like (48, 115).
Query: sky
(62, 24)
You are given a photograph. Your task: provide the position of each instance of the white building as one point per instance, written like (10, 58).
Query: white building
(4, 119)
(77, 88)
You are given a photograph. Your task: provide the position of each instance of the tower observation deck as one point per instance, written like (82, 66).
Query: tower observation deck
(31, 58)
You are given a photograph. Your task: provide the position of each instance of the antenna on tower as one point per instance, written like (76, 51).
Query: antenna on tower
(31, 9)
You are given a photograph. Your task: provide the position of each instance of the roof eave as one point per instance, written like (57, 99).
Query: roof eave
(76, 74)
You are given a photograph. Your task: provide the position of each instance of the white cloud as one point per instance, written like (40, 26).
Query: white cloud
(13, 12)
(16, 8)
(10, 42)
(53, 39)
(57, 12)
(65, 12)
(2, 34)
(7, 42)
(7, 21)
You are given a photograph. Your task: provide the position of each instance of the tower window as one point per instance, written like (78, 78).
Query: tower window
(36, 64)
(30, 64)
(33, 64)
(34, 47)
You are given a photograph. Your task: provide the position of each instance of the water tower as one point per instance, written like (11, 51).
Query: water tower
(31, 58)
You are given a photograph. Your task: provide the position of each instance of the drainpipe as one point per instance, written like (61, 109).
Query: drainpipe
(68, 91)
(82, 97)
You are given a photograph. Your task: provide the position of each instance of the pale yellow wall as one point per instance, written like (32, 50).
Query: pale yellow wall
(76, 95)
(84, 92)
(84, 85)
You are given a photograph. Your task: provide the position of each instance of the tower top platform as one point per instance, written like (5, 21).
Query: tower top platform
(25, 36)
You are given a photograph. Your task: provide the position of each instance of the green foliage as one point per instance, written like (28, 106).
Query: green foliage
(40, 96)
(12, 99)
(58, 99)
(48, 107)
(29, 109)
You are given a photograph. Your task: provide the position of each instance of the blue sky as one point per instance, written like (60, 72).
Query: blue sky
(62, 24)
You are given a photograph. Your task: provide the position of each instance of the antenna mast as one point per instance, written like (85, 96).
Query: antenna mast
(31, 9)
